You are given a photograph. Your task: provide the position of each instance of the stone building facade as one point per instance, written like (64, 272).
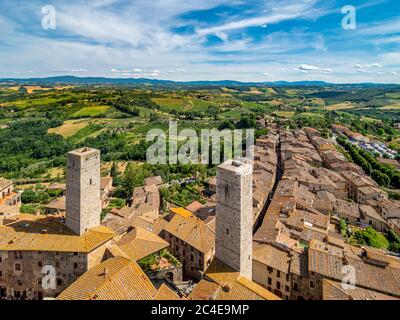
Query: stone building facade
(36, 263)
(192, 242)
(234, 216)
(83, 190)
(28, 274)
(40, 256)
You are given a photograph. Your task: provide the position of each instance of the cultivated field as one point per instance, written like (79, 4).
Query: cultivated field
(70, 127)
(91, 112)
(340, 106)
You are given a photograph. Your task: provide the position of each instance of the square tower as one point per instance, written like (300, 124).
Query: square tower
(83, 190)
(234, 216)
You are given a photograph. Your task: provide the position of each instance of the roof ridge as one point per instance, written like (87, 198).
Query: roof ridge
(262, 292)
(86, 240)
(108, 278)
(202, 238)
(105, 229)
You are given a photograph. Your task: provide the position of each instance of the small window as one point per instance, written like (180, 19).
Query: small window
(59, 282)
(278, 273)
(40, 264)
(17, 267)
(226, 192)
(227, 232)
(75, 266)
(91, 182)
(287, 288)
(311, 284)
(278, 284)
(269, 281)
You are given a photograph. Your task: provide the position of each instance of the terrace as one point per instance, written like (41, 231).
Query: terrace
(11, 199)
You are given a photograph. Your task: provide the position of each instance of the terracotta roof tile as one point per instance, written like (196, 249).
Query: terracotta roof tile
(39, 233)
(115, 279)
(140, 243)
(223, 283)
(193, 231)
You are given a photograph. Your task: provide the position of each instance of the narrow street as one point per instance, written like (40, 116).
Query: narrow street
(278, 176)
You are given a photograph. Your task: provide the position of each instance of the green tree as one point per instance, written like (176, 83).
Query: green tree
(114, 171)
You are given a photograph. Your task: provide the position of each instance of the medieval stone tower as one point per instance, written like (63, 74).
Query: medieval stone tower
(234, 216)
(83, 190)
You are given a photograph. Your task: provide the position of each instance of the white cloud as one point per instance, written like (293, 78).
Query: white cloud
(276, 15)
(386, 40)
(368, 66)
(223, 36)
(177, 70)
(310, 68)
(103, 37)
(380, 28)
(376, 65)
(136, 72)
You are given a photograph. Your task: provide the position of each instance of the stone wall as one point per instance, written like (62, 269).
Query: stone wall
(23, 273)
(234, 216)
(83, 190)
(194, 262)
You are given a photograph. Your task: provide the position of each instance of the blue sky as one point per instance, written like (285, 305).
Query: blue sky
(183, 40)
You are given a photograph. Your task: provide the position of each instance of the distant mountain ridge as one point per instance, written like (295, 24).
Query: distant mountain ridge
(156, 82)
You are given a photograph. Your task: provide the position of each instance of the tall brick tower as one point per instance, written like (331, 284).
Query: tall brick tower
(234, 216)
(83, 190)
